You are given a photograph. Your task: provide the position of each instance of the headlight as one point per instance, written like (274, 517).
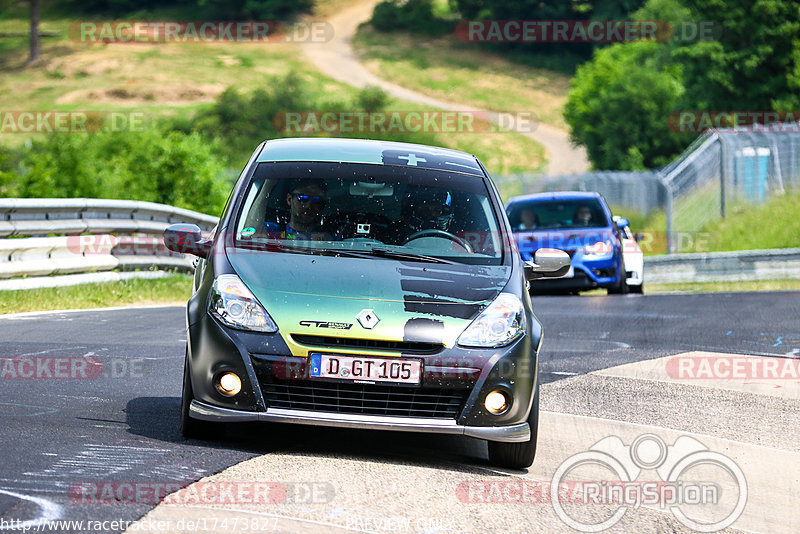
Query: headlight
(601, 248)
(232, 303)
(499, 324)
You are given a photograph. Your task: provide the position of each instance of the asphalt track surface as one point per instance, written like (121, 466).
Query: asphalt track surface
(121, 425)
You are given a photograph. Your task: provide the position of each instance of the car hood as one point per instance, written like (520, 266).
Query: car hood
(564, 239)
(324, 295)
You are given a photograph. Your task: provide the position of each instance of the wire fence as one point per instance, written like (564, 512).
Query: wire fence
(724, 170)
(718, 174)
(641, 191)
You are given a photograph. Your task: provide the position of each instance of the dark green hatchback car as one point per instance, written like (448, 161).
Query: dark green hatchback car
(365, 284)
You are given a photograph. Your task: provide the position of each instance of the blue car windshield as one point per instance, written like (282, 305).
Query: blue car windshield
(321, 207)
(553, 214)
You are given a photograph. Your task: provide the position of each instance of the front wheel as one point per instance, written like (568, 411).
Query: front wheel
(637, 289)
(518, 455)
(622, 287)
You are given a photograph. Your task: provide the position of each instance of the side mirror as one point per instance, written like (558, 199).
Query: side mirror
(638, 237)
(622, 222)
(547, 263)
(186, 239)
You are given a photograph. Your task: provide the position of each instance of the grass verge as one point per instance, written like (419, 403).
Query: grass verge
(177, 288)
(724, 287)
(712, 287)
(173, 289)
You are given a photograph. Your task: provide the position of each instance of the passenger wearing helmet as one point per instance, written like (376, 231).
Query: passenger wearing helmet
(427, 208)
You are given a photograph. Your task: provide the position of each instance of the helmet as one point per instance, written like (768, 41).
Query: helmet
(428, 208)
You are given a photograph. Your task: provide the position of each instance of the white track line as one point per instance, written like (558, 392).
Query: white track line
(50, 511)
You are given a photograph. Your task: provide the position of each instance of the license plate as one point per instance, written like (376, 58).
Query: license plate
(570, 273)
(363, 369)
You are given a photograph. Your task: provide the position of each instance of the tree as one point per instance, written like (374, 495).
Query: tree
(618, 106)
(753, 64)
(35, 46)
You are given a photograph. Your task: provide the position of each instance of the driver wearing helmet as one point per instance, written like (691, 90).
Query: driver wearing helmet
(427, 208)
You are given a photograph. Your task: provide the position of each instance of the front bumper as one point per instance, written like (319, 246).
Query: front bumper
(276, 386)
(589, 274)
(512, 433)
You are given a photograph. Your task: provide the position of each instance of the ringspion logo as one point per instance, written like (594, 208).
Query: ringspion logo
(690, 480)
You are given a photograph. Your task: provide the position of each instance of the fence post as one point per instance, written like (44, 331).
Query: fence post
(670, 237)
(723, 172)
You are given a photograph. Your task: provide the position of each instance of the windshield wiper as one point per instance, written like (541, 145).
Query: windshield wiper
(399, 254)
(380, 252)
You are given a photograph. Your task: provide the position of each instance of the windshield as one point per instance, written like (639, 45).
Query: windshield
(547, 214)
(379, 211)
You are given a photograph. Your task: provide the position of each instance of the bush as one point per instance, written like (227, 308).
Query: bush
(172, 168)
(239, 121)
(372, 98)
(8, 185)
(415, 16)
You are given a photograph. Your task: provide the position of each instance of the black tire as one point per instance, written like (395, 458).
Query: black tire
(622, 287)
(191, 428)
(518, 455)
(637, 289)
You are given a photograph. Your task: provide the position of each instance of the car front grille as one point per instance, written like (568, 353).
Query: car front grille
(367, 399)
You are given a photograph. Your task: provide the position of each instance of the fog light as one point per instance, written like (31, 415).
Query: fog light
(229, 384)
(496, 402)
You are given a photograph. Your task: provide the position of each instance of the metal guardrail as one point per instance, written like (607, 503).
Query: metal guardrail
(101, 235)
(89, 245)
(43, 216)
(741, 265)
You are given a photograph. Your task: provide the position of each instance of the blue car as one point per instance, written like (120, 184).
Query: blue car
(579, 223)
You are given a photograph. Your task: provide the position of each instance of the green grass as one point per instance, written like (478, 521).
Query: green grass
(774, 224)
(653, 226)
(449, 69)
(174, 289)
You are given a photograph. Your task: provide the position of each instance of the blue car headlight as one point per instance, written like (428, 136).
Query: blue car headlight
(600, 249)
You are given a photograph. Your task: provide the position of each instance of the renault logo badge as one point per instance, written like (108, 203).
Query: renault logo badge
(367, 319)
